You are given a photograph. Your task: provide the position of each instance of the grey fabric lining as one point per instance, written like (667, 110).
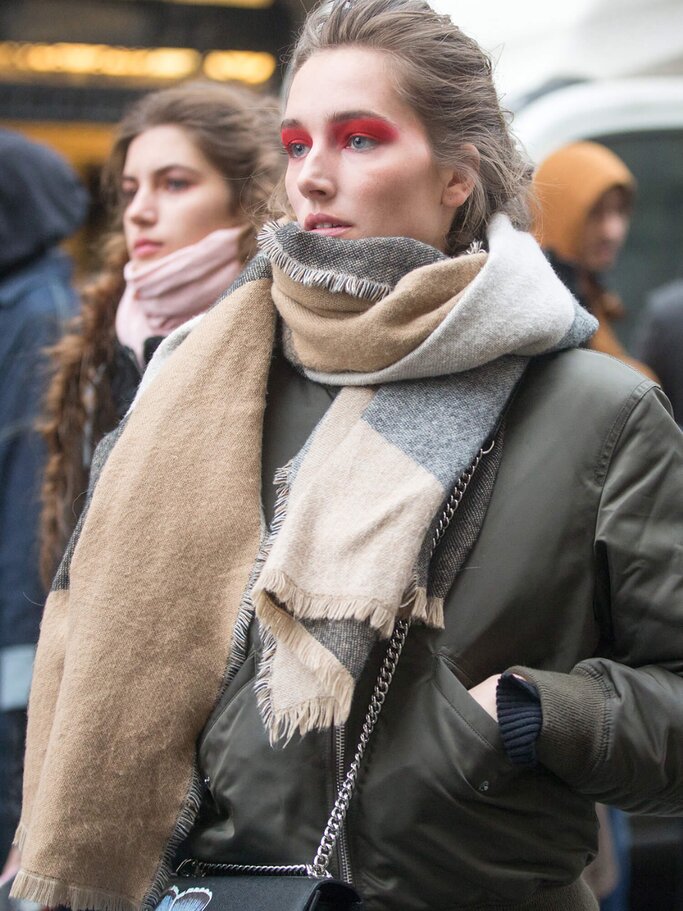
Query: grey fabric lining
(459, 539)
(349, 641)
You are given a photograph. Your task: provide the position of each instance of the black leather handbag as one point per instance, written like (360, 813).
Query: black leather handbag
(305, 887)
(270, 892)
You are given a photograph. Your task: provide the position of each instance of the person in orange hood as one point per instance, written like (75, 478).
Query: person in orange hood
(585, 195)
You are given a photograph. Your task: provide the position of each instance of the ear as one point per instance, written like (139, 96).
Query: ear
(460, 181)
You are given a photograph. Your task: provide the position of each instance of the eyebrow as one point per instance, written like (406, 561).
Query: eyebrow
(340, 118)
(160, 172)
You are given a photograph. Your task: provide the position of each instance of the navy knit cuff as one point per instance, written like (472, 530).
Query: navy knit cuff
(520, 718)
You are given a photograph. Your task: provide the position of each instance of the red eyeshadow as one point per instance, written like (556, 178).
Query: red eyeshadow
(372, 127)
(290, 135)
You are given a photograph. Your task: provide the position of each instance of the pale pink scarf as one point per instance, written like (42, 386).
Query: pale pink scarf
(165, 293)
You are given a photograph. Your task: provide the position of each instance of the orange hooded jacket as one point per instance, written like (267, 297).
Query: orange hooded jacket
(568, 184)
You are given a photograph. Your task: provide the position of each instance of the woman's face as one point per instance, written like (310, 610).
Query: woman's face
(172, 195)
(360, 163)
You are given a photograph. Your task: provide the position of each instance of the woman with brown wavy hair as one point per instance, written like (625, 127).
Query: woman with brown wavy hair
(186, 182)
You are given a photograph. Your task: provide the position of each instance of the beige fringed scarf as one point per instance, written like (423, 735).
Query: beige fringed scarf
(138, 626)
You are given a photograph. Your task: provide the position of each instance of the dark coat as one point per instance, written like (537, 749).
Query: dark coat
(661, 341)
(41, 203)
(34, 303)
(575, 580)
(125, 373)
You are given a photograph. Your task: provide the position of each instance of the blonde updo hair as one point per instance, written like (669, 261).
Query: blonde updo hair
(446, 78)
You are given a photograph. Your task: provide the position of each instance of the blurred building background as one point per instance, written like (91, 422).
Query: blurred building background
(533, 41)
(68, 68)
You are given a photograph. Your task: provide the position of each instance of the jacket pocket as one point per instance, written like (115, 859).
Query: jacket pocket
(439, 793)
(476, 746)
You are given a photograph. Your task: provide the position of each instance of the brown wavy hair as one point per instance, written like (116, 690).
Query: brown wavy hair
(237, 131)
(447, 79)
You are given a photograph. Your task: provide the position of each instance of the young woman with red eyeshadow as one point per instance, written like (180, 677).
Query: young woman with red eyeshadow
(387, 431)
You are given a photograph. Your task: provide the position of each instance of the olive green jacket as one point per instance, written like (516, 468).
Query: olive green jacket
(576, 580)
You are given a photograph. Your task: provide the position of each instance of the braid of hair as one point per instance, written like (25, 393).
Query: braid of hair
(78, 407)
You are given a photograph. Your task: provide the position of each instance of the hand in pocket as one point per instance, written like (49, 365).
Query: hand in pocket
(485, 694)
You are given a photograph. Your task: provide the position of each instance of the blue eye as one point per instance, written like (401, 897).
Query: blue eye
(296, 149)
(361, 143)
(176, 184)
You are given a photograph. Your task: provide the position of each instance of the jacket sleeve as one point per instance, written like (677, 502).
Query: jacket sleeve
(613, 727)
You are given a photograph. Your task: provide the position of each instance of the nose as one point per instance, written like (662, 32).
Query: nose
(316, 178)
(141, 210)
(614, 227)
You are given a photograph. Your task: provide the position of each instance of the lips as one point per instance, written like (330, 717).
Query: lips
(146, 247)
(323, 223)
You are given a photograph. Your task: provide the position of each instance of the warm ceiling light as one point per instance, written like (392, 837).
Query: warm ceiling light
(161, 63)
(252, 67)
(249, 4)
(168, 62)
(100, 60)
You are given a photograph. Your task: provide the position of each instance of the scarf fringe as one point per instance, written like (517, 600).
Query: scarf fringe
(314, 714)
(52, 893)
(316, 658)
(240, 633)
(336, 282)
(427, 609)
(274, 585)
(262, 688)
(184, 823)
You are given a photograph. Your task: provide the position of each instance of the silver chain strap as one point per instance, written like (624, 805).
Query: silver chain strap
(192, 867)
(453, 501)
(321, 861)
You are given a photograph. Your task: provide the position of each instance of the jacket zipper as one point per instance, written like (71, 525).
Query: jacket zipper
(339, 751)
